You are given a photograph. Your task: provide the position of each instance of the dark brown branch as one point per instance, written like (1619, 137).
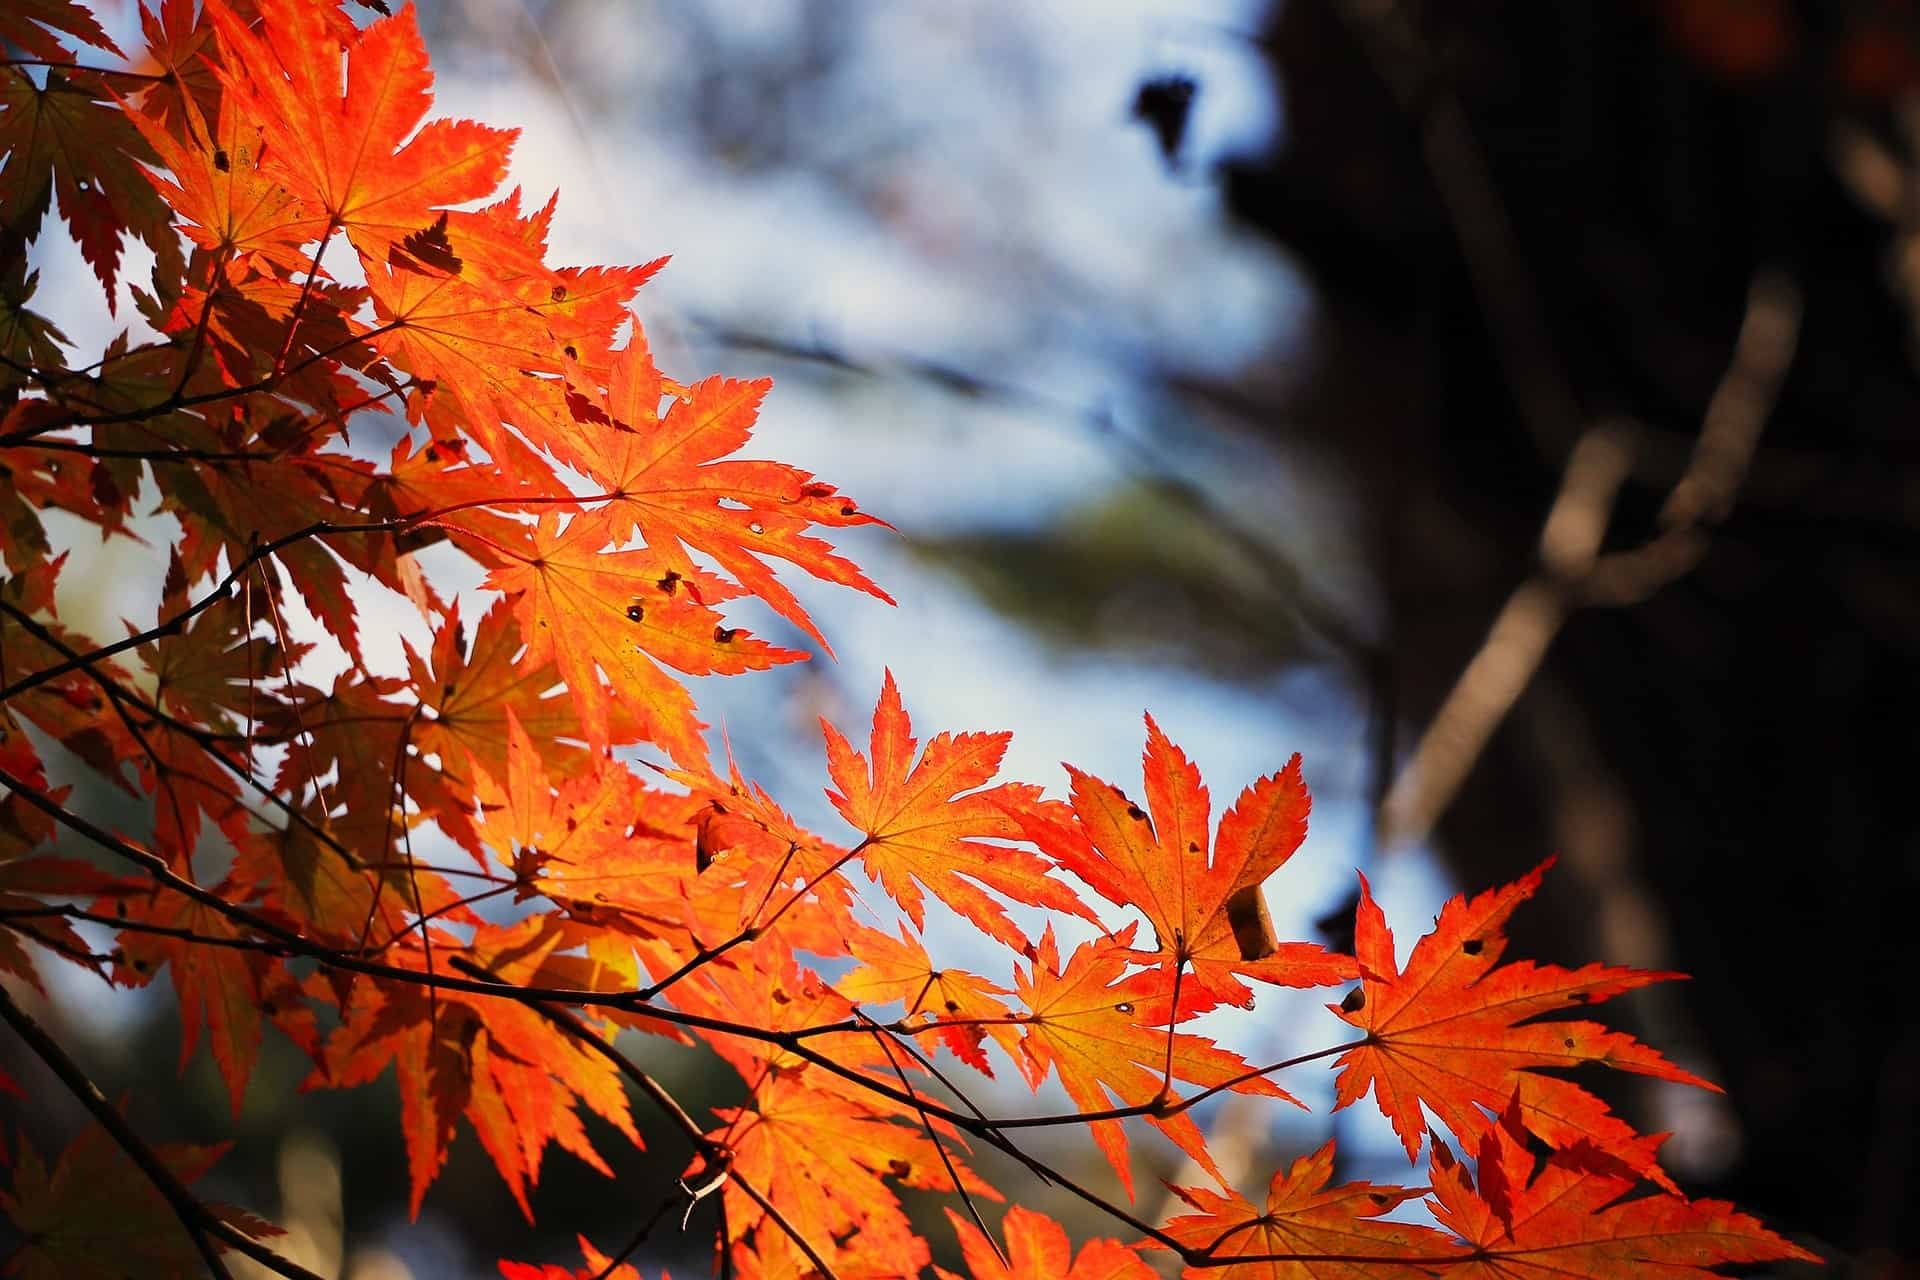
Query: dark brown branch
(173, 402)
(10, 915)
(202, 1225)
(707, 955)
(881, 1038)
(96, 71)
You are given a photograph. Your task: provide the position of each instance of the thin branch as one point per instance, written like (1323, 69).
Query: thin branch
(1574, 572)
(206, 738)
(750, 933)
(201, 1223)
(9, 916)
(74, 66)
(173, 402)
(881, 1038)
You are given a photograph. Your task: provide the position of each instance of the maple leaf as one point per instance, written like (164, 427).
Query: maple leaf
(28, 341)
(826, 1161)
(30, 24)
(768, 988)
(1567, 1218)
(208, 669)
(26, 882)
(68, 138)
(231, 511)
(1038, 1249)
(475, 313)
(962, 1003)
(515, 1076)
(1209, 917)
(672, 480)
(924, 822)
(354, 150)
(67, 1236)
(1451, 1031)
(1306, 1217)
(215, 180)
(602, 846)
(590, 611)
(182, 50)
(1100, 1031)
(225, 989)
(349, 748)
(71, 709)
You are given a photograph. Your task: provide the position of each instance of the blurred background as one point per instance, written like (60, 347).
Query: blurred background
(1511, 407)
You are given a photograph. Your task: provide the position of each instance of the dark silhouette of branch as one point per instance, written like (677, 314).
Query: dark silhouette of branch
(201, 1224)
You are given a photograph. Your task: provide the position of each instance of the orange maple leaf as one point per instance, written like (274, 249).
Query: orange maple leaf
(1038, 1249)
(588, 611)
(471, 683)
(672, 479)
(354, 149)
(225, 989)
(1105, 1035)
(515, 1076)
(215, 181)
(1305, 1217)
(1568, 1218)
(962, 1003)
(1450, 1031)
(924, 822)
(830, 1164)
(596, 1266)
(468, 306)
(1209, 917)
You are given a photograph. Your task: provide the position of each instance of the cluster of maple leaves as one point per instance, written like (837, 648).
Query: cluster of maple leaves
(311, 262)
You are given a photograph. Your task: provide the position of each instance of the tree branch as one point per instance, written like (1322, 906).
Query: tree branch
(202, 1225)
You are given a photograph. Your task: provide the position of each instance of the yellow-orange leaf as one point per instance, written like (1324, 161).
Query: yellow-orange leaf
(924, 822)
(1099, 1030)
(1306, 1229)
(676, 484)
(592, 611)
(1038, 1249)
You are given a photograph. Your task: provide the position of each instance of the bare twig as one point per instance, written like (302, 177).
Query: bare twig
(1574, 572)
